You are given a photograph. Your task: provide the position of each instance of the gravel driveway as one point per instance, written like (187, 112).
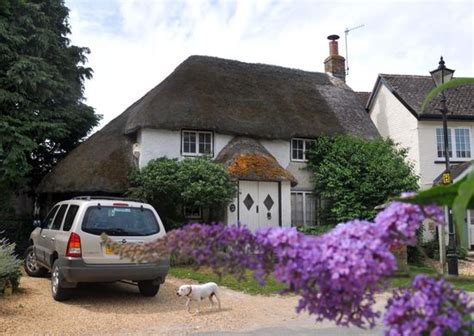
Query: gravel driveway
(118, 309)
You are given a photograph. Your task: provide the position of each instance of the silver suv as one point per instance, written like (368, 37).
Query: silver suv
(67, 243)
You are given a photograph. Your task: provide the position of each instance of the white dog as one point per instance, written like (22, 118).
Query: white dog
(198, 293)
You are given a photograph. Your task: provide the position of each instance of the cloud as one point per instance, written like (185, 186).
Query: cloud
(136, 44)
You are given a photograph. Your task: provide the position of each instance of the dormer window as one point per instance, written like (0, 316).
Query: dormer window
(299, 148)
(196, 143)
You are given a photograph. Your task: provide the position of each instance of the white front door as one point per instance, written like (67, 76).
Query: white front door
(470, 228)
(259, 204)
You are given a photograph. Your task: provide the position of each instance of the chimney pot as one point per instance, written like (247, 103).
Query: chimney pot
(334, 65)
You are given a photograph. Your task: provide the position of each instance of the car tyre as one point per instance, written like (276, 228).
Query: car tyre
(32, 267)
(148, 288)
(57, 290)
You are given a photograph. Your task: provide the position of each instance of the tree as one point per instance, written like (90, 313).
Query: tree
(170, 185)
(42, 111)
(353, 175)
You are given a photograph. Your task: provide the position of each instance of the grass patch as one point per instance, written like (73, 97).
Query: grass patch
(249, 285)
(462, 282)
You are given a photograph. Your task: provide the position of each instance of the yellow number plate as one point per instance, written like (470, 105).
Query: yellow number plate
(108, 250)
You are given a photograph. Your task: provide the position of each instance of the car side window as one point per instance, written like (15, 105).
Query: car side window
(71, 214)
(49, 218)
(59, 218)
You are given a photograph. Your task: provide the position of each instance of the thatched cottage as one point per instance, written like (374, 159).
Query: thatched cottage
(256, 116)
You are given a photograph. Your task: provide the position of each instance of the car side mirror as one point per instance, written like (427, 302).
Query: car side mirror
(37, 223)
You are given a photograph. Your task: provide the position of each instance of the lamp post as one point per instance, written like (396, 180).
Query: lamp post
(440, 76)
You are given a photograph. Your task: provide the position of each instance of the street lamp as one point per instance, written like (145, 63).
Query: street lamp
(440, 76)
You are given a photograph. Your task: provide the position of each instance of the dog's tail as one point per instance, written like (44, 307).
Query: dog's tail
(217, 298)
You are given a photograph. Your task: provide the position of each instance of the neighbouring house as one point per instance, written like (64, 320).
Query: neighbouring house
(394, 107)
(256, 119)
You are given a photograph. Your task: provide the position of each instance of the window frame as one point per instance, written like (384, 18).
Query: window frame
(305, 148)
(197, 133)
(454, 144)
(188, 210)
(305, 220)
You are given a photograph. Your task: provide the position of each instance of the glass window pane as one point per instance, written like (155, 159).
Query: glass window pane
(297, 149)
(119, 221)
(462, 139)
(310, 208)
(71, 214)
(192, 145)
(189, 142)
(440, 142)
(49, 219)
(297, 209)
(205, 144)
(59, 217)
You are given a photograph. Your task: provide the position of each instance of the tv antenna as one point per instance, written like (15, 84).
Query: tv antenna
(346, 32)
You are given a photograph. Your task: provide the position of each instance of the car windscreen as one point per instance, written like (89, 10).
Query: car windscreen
(120, 221)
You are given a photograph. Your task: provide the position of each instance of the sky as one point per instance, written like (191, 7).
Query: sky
(135, 44)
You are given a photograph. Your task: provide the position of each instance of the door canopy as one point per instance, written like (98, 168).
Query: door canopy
(247, 159)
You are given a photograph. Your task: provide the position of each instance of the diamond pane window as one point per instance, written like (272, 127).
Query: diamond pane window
(248, 201)
(268, 202)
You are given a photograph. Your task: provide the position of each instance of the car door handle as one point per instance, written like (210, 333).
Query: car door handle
(53, 239)
(43, 236)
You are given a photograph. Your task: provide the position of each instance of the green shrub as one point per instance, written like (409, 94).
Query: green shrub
(315, 230)
(462, 252)
(353, 175)
(171, 185)
(10, 266)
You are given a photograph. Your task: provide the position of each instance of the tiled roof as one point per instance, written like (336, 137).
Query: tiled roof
(456, 171)
(412, 90)
(363, 97)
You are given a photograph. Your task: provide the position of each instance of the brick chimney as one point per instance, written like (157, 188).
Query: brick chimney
(335, 64)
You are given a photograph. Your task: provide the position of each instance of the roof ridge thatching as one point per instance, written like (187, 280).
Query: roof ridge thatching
(247, 159)
(257, 100)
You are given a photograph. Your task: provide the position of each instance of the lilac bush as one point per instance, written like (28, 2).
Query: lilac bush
(336, 274)
(430, 307)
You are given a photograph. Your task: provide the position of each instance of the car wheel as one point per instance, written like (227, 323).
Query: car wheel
(31, 264)
(57, 290)
(148, 288)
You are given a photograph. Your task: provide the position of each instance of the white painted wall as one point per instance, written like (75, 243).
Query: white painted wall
(285, 204)
(155, 143)
(394, 121)
(430, 165)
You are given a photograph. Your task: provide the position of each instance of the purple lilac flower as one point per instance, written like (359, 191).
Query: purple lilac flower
(429, 306)
(401, 220)
(336, 274)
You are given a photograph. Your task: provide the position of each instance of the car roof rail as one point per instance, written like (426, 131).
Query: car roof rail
(90, 198)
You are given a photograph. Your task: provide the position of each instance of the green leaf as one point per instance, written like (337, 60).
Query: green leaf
(451, 84)
(462, 202)
(439, 195)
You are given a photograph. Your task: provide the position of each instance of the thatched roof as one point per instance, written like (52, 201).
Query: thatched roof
(99, 164)
(247, 159)
(411, 91)
(256, 100)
